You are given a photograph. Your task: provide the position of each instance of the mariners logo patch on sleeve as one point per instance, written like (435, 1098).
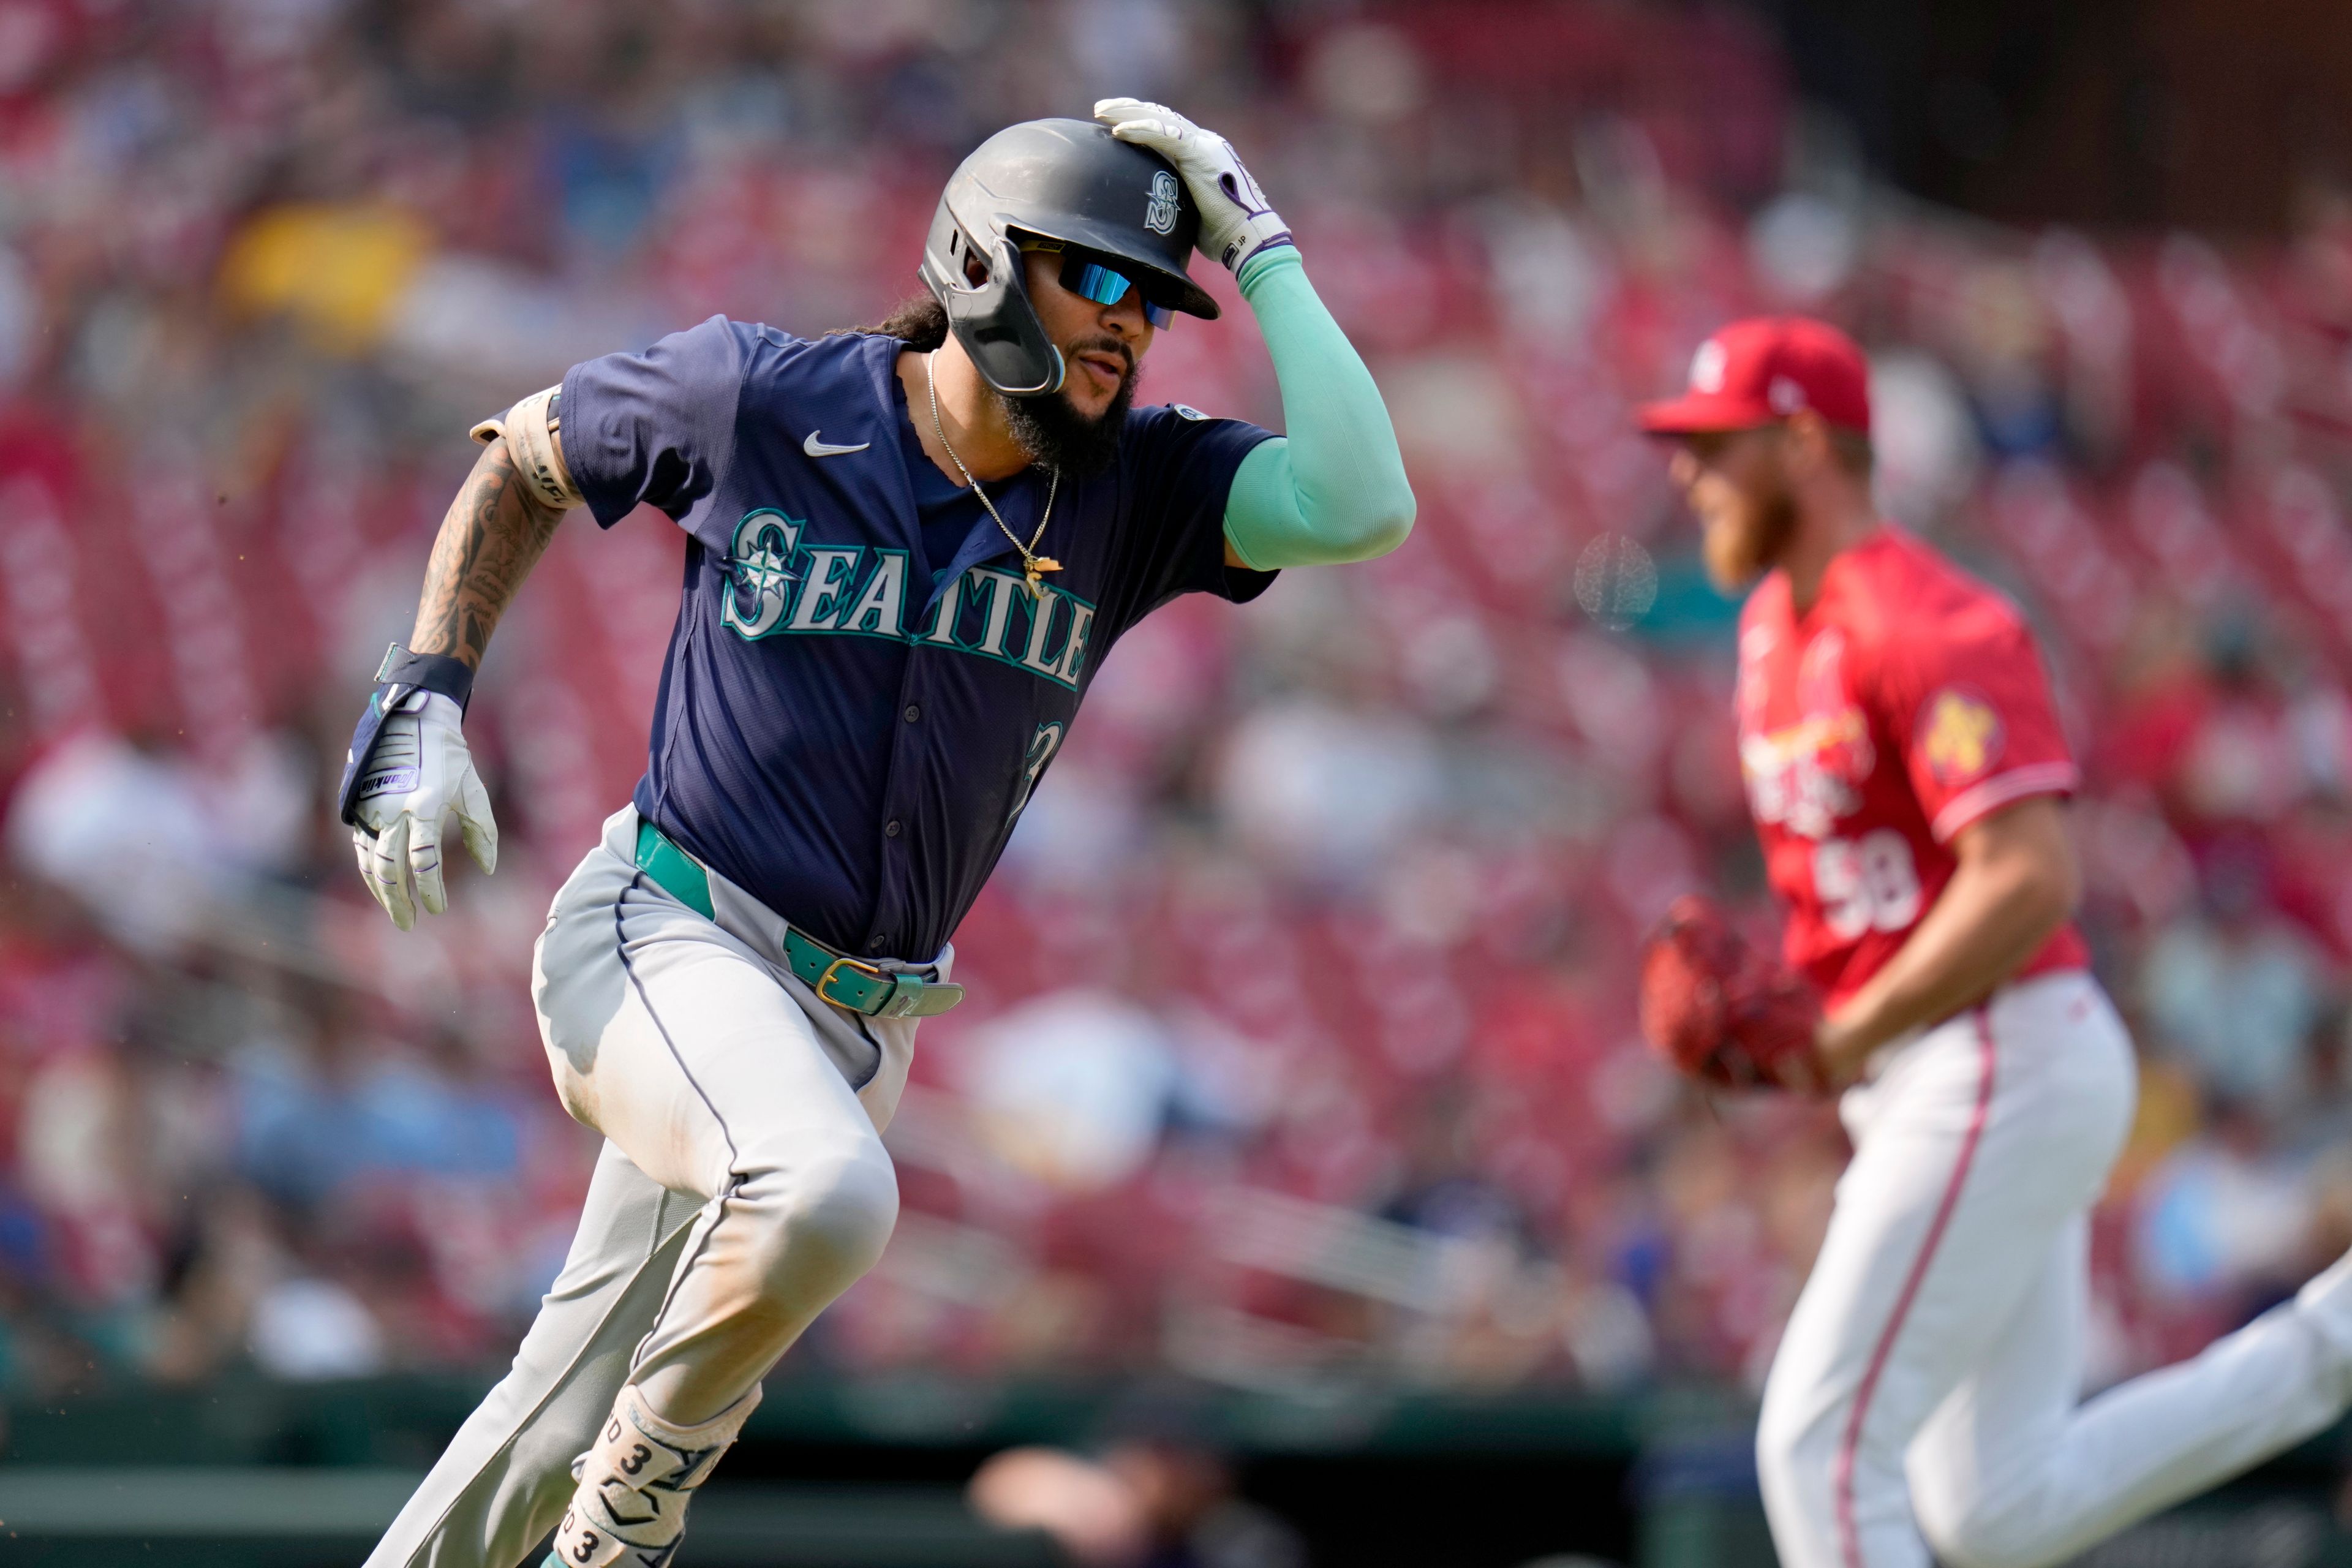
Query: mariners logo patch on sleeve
(1188, 411)
(1960, 736)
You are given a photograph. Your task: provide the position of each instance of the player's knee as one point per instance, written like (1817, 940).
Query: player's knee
(1792, 1441)
(826, 1220)
(849, 1210)
(1965, 1543)
(1967, 1534)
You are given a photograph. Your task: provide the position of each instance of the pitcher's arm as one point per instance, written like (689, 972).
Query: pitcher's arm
(2017, 882)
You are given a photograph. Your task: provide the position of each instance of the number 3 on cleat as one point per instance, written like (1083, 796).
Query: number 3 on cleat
(1042, 747)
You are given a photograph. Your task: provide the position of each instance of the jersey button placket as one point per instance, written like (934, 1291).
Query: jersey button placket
(894, 908)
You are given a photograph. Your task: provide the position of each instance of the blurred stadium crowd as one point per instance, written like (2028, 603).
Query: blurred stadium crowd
(1355, 874)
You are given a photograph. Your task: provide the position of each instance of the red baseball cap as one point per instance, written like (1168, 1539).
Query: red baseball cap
(1761, 371)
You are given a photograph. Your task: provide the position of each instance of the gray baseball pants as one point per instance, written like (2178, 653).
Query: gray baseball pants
(741, 1187)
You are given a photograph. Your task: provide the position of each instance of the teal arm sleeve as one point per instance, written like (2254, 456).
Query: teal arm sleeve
(1333, 489)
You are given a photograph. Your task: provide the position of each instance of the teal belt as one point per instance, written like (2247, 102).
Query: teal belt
(844, 980)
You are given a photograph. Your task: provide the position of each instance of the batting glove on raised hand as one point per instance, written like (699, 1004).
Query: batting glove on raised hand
(1235, 222)
(417, 773)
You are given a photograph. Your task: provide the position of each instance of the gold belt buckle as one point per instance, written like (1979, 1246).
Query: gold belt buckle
(825, 979)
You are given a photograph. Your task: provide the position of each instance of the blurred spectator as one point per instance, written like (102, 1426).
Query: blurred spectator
(2237, 988)
(125, 827)
(1324, 792)
(305, 1328)
(1143, 1504)
(2225, 1218)
(1070, 1088)
(339, 1104)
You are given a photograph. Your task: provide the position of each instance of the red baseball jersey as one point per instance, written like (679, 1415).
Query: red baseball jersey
(1908, 702)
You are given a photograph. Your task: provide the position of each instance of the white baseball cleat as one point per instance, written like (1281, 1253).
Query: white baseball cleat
(634, 1484)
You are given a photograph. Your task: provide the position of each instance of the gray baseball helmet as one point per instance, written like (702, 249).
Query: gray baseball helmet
(1066, 180)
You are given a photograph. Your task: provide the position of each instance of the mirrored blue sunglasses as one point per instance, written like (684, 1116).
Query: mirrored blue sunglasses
(1107, 286)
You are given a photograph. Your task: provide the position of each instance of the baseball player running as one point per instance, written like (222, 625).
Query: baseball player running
(1905, 772)
(908, 549)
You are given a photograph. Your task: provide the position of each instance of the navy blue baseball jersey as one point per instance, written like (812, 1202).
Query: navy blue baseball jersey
(861, 691)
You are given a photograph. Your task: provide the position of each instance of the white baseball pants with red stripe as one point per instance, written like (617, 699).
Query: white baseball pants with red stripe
(1925, 1392)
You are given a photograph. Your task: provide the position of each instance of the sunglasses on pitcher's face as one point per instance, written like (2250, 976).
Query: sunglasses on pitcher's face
(1093, 277)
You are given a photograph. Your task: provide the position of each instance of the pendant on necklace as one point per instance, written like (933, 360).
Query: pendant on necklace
(1034, 566)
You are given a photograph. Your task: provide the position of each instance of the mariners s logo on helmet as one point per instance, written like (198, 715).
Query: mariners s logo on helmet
(1160, 212)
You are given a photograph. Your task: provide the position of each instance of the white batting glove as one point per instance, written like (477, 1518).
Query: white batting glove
(419, 771)
(1235, 222)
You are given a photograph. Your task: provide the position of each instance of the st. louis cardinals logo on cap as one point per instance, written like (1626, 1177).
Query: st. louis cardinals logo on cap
(1761, 371)
(1160, 212)
(1706, 366)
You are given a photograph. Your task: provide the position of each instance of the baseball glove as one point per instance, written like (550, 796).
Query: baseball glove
(1719, 1011)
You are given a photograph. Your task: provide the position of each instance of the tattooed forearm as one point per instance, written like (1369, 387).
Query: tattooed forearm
(493, 535)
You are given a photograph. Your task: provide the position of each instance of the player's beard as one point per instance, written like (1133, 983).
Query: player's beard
(1737, 552)
(1058, 437)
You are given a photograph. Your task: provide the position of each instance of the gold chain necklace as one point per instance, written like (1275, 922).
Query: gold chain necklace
(1033, 565)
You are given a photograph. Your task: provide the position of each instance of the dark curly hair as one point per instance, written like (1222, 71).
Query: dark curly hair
(919, 321)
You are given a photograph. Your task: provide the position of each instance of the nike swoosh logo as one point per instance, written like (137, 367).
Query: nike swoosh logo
(816, 448)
